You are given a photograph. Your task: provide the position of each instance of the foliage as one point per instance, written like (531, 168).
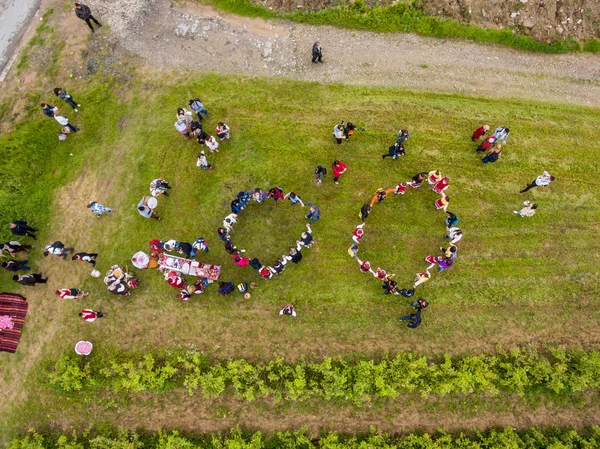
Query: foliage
(237, 439)
(520, 371)
(407, 17)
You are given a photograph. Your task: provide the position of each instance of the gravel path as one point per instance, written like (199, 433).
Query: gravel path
(189, 34)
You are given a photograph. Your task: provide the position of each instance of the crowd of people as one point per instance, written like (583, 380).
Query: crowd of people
(259, 196)
(439, 184)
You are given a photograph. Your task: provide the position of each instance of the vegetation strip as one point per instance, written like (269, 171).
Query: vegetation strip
(235, 438)
(520, 371)
(408, 18)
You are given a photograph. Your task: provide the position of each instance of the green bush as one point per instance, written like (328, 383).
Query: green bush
(236, 439)
(518, 372)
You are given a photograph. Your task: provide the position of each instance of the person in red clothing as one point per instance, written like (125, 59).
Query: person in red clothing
(239, 260)
(479, 132)
(90, 315)
(71, 293)
(338, 168)
(276, 193)
(174, 280)
(358, 233)
(487, 143)
(365, 266)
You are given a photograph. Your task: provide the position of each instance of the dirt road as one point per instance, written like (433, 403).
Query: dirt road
(188, 34)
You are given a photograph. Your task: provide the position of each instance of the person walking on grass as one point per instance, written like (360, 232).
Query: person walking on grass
(493, 155)
(338, 133)
(64, 121)
(317, 52)
(64, 96)
(198, 108)
(98, 208)
(222, 132)
(20, 227)
(90, 315)
(543, 180)
(320, 172)
(394, 151)
(84, 13)
(49, 110)
(455, 234)
(58, 249)
(338, 169)
(236, 207)
(202, 162)
(501, 135)
(528, 210)
(314, 214)
(364, 212)
(294, 199)
(16, 265)
(486, 144)
(276, 193)
(86, 257)
(145, 211)
(417, 180)
(414, 319)
(71, 293)
(451, 219)
(480, 132)
(13, 247)
(403, 136)
(30, 279)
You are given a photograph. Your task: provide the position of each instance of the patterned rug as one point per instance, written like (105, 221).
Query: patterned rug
(13, 309)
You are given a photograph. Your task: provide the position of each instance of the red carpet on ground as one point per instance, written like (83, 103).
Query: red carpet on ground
(13, 310)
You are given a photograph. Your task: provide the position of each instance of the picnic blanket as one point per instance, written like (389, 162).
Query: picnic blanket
(191, 267)
(13, 309)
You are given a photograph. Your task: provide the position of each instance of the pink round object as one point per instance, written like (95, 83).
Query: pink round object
(83, 348)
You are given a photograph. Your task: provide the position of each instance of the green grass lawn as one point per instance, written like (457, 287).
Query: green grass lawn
(517, 281)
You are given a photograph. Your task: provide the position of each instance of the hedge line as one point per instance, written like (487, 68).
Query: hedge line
(519, 371)
(236, 439)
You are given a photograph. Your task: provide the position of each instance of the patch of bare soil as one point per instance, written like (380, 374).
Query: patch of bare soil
(170, 35)
(404, 414)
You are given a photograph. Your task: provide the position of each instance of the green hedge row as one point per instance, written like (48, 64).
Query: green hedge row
(519, 371)
(236, 439)
(408, 17)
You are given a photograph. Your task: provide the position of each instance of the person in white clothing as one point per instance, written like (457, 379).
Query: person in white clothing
(501, 135)
(454, 234)
(541, 181)
(64, 121)
(211, 144)
(338, 133)
(528, 210)
(229, 221)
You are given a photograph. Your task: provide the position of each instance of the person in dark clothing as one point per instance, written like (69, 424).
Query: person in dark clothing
(317, 52)
(390, 286)
(85, 13)
(49, 110)
(185, 248)
(295, 255)
(417, 180)
(320, 173)
(16, 265)
(30, 279)
(20, 227)
(86, 257)
(255, 263)
(232, 249)
(58, 249)
(414, 320)
(451, 219)
(420, 304)
(364, 212)
(223, 234)
(243, 198)
(236, 206)
(13, 248)
(392, 152)
(226, 288)
(64, 96)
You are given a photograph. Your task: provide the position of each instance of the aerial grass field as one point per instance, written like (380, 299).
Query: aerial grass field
(528, 283)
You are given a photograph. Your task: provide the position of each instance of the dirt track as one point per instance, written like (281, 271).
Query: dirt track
(189, 34)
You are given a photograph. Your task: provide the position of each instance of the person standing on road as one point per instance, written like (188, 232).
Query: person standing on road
(85, 13)
(317, 52)
(64, 96)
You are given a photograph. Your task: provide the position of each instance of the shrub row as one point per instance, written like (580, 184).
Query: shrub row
(409, 17)
(519, 371)
(236, 439)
